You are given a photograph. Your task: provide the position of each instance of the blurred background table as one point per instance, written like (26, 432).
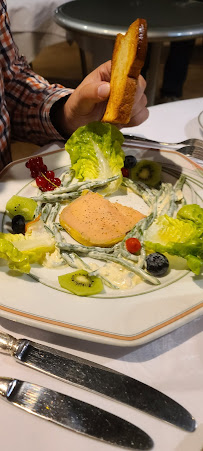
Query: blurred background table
(33, 26)
(94, 26)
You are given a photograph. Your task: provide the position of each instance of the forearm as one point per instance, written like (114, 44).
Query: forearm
(29, 100)
(27, 96)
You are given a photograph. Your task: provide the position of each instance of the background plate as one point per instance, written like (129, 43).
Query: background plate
(133, 318)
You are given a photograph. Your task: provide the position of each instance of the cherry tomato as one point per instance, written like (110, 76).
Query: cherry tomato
(133, 245)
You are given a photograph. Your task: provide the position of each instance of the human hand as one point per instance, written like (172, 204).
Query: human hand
(88, 102)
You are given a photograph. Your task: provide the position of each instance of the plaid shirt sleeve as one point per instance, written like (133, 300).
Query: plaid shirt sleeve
(25, 98)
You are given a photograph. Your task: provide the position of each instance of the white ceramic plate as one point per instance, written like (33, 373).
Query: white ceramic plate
(121, 317)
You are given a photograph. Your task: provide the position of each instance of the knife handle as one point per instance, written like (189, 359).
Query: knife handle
(8, 344)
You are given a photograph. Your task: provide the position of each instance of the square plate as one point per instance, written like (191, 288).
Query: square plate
(130, 318)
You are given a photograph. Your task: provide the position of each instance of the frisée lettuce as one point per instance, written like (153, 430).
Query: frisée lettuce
(95, 152)
(181, 236)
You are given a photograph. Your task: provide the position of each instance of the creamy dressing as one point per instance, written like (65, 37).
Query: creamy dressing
(53, 260)
(119, 276)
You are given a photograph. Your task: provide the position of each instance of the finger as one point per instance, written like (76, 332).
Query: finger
(141, 86)
(138, 118)
(101, 73)
(105, 71)
(90, 94)
(137, 107)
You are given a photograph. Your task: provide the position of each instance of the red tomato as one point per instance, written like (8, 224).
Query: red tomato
(133, 245)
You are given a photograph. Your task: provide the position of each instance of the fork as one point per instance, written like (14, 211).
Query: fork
(187, 142)
(191, 151)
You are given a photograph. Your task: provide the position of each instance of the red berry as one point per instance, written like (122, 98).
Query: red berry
(125, 172)
(50, 175)
(133, 245)
(39, 162)
(41, 182)
(56, 181)
(34, 173)
(50, 187)
(43, 169)
(30, 163)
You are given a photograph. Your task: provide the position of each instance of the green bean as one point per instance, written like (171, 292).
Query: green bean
(79, 262)
(128, 255)
(80, 186)
(67, 177)
(83, 249)
(180, 183)
(56, 231)
(38, 209)
(98, 183)
(45, 211)
(104, 279)
(53, 213)
(133, 268)
(137, 190)
(68, 260)
(52, 198)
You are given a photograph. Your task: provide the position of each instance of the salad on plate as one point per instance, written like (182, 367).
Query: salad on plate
(104, 224)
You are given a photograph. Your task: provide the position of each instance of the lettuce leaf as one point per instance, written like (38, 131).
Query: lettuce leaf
(95, 152)
(33, 246)
(193, 213)
(182, 236)
(16, 259)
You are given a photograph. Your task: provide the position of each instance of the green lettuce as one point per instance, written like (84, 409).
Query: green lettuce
(193, 213)
(95, 152)
(22, 250)
(181, 236)
(16, 259)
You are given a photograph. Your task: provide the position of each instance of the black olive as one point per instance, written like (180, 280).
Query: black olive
(157, 264)
(18, 224)
(130, 161)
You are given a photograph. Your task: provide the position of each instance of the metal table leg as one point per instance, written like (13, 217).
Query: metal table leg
(83, 63)
(153, 71)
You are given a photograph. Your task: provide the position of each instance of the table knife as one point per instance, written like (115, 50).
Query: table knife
(74, 414)
(98, 379)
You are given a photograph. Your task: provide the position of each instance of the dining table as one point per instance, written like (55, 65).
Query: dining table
(170, 361)
(95, 25)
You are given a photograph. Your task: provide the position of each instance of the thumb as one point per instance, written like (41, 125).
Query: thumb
(91, 94)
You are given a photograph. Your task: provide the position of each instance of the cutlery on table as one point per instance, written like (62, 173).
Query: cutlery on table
(191, 147)
(97, 378)
(74, 414)
(187, 142)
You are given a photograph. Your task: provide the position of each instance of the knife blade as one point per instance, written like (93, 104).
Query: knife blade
(98, 379)
(74, 414)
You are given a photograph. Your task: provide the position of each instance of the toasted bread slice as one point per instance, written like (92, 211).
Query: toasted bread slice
(127, 61)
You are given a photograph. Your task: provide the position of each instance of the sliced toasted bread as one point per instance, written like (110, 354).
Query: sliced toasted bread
(127, 61)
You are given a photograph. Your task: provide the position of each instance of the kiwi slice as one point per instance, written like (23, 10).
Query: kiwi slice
(19, 205)
(146, 171)
(79, 282)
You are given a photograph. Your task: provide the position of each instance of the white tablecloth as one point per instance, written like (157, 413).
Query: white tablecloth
(33, 26)
(172, 363)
